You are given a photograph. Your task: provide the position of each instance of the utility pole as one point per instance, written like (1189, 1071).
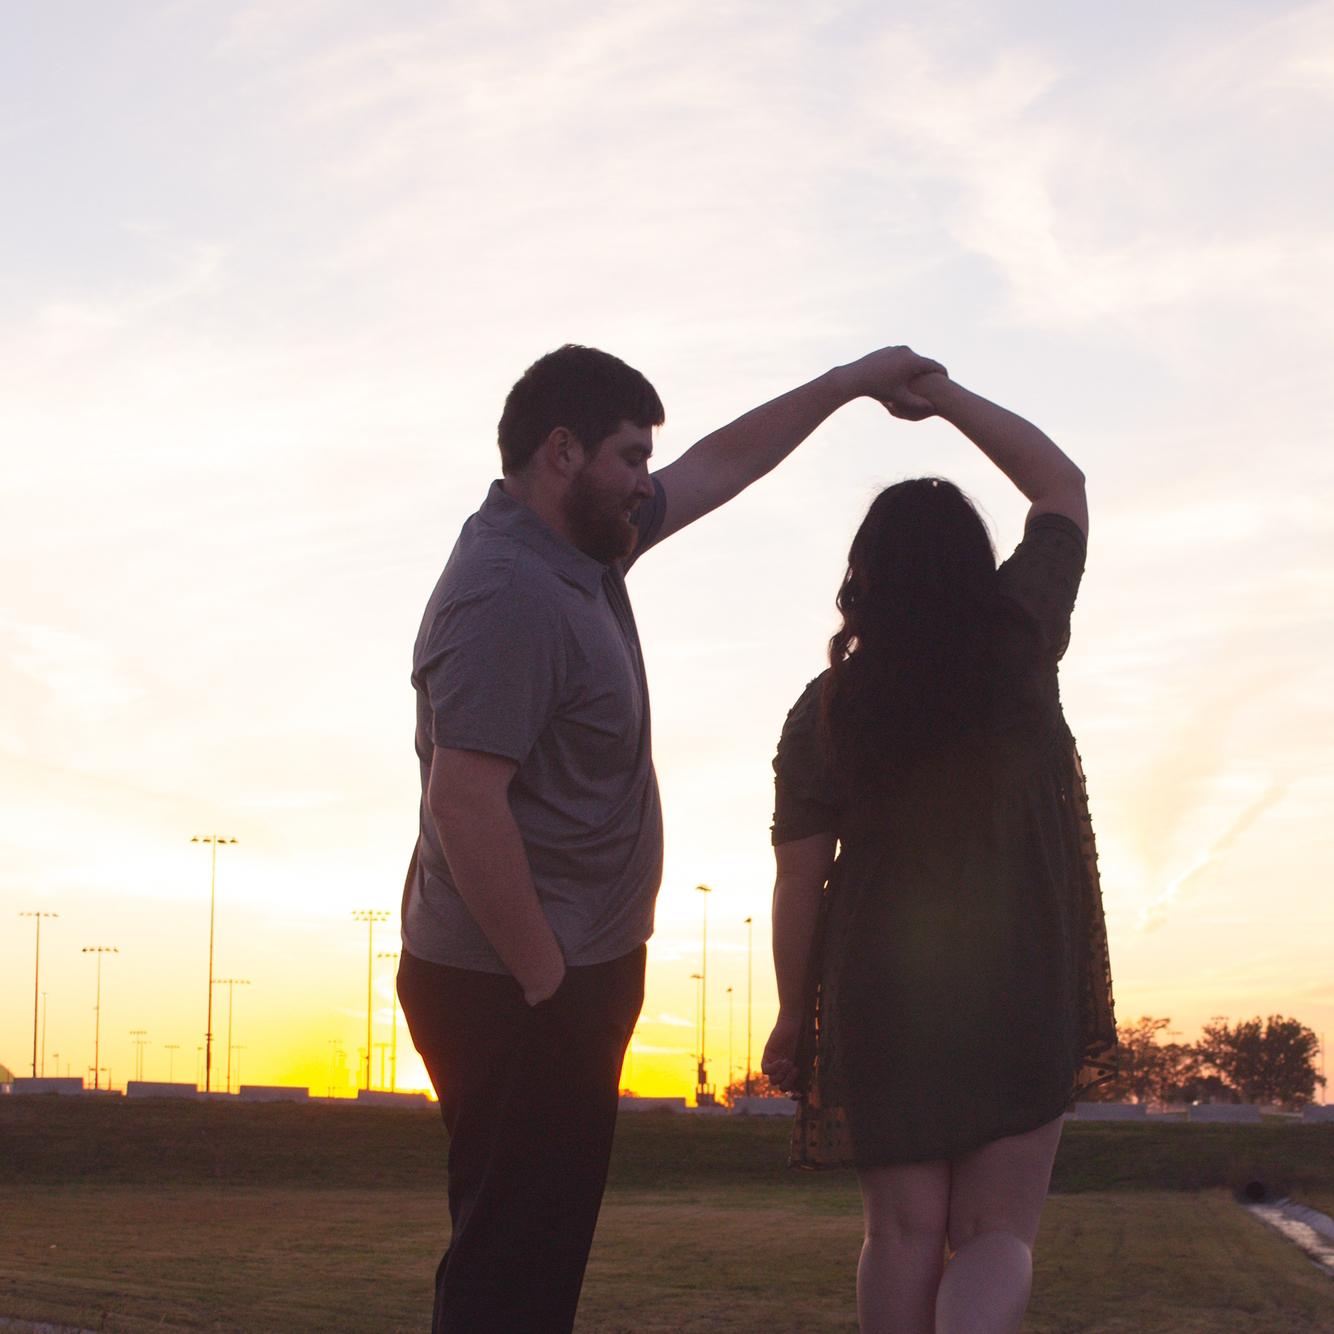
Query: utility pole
(213, 840)
(393, 1037)
(37, 980)
(99, 951)
(370, 916)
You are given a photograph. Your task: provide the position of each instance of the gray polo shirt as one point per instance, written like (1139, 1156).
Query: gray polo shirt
(528, 649)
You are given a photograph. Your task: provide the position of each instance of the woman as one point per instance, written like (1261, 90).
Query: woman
(943, 980)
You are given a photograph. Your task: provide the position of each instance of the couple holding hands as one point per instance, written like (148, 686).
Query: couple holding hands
(938, 935)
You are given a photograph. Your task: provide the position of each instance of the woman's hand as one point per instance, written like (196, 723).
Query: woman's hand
(886, 375)
(779, 1062)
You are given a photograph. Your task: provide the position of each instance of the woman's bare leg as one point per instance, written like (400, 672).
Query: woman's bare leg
(996, 1198)
(906, 1208)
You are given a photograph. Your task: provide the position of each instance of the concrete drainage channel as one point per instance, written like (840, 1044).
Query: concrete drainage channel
(1307, 1228)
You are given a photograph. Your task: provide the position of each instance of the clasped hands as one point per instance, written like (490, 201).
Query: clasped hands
(893, 377)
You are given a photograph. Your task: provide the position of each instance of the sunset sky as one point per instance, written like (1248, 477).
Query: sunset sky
(270, 270)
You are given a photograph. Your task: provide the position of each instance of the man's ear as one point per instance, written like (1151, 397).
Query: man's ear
(562, 452)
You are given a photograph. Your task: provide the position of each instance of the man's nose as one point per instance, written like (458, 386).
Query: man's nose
(644, 487)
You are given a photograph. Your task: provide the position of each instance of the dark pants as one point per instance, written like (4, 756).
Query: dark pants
(529, 1096)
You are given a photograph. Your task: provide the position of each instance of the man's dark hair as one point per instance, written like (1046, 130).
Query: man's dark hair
(588, 392)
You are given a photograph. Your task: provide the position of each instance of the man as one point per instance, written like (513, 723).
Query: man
(530, 895)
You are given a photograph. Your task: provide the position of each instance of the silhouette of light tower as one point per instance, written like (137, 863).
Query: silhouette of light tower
(231, 983)
(140, 1036)
(750, 970)
(393, 1037)
(702, 1074)
(213, 840)
(699, 1061)
(172, 1048)
(370, 916)
(729, 1039)
(37, 981)
(99, 951)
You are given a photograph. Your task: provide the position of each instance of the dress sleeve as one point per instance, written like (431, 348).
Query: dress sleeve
(1042, 577)
(805, 797)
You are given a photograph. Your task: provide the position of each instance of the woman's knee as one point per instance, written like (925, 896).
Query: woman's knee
(906, 1205)
(993, 1232)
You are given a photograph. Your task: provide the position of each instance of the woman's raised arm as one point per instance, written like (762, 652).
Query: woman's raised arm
(1030, 459)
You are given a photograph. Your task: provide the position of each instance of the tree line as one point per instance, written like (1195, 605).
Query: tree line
(1256, 1060)
(1271, 1061)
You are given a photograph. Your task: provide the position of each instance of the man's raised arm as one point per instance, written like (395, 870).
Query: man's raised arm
(726, 461)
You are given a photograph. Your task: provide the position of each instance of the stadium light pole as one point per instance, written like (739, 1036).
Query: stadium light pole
(697, 978)
(172, 1048)
(370, 916)
(43, 1065)
(729, 1037)
(750, 973)
(231, 983)
(704, 991)
(99, 951)
(213, 840)
(393, 1036)
(37, 981)
(140, 1036)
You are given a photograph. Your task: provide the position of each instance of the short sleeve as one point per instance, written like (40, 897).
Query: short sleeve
(649, 518)
(805, 799)
(493, 670)
(1042, 577)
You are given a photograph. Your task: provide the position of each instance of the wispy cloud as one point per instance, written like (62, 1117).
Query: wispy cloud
(1155, 913)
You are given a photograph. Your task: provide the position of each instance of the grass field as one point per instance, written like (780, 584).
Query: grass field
(125, 1216)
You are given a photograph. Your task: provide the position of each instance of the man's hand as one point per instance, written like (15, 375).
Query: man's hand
(540, 988)
(884, 375)
(779, 1061)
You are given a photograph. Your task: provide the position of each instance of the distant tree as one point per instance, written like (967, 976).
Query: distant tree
(759, 1088)
(1271, 1060)
(1148, 1070)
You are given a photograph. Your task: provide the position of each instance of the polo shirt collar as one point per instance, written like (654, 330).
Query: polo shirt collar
(516, 520)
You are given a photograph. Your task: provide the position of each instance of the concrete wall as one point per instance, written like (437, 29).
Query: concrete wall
(652, 1104)
(1225, 1113)
(51, 1085)
(273, 1093)
(383, 1098)
(1110, 1111)
(763, 1106)
(148, 1088)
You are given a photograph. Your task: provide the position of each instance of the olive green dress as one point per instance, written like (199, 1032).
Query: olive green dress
(960, 987)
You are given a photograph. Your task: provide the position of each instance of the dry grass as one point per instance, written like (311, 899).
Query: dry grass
(729, 1260)
(116, 1215)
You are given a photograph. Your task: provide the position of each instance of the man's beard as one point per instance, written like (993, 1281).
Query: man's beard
(597, 524)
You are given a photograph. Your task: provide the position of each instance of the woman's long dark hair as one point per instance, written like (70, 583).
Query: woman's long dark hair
(913, 666)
